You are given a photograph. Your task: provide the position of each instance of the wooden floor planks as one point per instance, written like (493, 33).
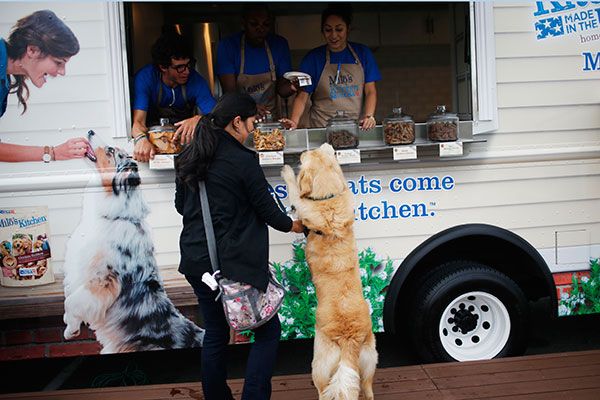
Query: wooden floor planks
(562, 376)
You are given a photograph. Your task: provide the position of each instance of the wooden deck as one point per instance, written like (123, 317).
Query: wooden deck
(561, 376)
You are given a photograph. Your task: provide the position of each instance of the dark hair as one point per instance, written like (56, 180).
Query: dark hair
(169, 45)
(193, 162)
(47, 32)
(342, 10)
(250, 8)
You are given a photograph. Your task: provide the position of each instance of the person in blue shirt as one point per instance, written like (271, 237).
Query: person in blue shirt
(253, 61)
(343, 75)
(169, 88)
(39, 45)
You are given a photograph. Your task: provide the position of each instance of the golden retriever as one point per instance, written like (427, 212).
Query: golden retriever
(21, 244)
(345, 357)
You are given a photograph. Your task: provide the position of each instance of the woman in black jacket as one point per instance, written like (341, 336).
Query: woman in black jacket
(241, 208)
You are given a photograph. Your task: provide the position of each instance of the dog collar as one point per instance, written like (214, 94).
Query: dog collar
(329, 196)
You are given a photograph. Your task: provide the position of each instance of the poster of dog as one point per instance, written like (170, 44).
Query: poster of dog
(24, 247)
(112, 282)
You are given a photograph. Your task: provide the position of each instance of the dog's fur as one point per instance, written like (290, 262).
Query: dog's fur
(111, 277)
(345, 357)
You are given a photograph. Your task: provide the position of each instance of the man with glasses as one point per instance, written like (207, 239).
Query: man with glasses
(253, 61)
(169, 88)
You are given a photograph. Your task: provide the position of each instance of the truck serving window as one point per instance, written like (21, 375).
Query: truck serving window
(424, 51)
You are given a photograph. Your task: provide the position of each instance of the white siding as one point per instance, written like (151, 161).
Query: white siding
(541, 84)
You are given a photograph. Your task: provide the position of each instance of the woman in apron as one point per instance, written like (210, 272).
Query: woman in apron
(346, 79)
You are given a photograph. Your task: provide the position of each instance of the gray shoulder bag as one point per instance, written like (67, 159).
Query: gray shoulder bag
(245, 306)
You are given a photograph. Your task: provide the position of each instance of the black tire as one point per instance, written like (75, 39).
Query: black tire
(488, 318)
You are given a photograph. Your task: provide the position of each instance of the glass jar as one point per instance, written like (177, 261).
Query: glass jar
(398, 128)
(342, 131)
(161, 137)
(268, 135)
(442, 126)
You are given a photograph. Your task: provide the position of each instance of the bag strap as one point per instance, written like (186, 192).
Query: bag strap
(208, 227)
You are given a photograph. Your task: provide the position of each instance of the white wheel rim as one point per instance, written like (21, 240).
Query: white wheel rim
(487, 324)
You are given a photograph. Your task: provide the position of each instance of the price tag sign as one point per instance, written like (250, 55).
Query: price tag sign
(351, 156)
(451, 149)
(162, 161)
(270, 157)
(405, 152)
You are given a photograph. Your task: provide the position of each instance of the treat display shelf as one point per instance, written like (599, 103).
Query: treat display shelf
(372, 148)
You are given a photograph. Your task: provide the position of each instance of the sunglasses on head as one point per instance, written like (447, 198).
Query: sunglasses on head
(182, 67)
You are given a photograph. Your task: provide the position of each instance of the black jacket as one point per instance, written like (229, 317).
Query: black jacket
(241, 207)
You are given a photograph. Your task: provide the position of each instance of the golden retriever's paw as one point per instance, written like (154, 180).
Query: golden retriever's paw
(287, 173)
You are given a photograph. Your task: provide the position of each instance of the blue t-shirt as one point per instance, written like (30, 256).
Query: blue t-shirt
(4, 81)
(147, 81)
(229, 56)
(314, 62)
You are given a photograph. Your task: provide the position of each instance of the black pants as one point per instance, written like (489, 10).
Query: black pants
(261, 360)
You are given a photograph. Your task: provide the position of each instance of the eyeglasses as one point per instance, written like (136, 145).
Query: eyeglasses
(182, 67)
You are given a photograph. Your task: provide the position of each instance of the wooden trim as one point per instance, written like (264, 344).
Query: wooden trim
(485, 100)
(117, 68)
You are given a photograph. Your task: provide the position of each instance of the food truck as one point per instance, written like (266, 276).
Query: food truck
(456, 234)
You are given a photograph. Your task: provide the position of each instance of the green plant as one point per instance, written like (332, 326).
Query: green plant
(584, 296)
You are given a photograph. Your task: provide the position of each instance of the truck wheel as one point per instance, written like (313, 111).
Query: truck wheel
(469, 311)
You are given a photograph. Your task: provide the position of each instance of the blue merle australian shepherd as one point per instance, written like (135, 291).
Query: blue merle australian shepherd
(111, 278)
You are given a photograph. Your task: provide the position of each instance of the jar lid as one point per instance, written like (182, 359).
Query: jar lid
(398, 115)
(164, 126)
(268, 123)
(340, 118)
(440, 113)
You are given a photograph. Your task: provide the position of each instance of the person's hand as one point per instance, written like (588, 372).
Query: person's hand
(297, 226)
(262, 111)
(367, 123)
(72, 148)
(143, 150)
(186, 129)
(288, 123)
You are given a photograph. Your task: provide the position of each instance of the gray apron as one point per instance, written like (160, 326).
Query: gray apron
(346, 94)
(174, 114)
(260, 86)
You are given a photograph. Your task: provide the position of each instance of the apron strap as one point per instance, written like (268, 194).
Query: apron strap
(271, 63)
(159, 94)
(354, 54)
(243, 53)
(269, 56)
(184, 93)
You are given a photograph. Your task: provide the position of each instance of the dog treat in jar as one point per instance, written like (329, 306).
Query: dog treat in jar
(268, 135)
(442, 126)
(398, 128)
(342, 131)
(161, 137)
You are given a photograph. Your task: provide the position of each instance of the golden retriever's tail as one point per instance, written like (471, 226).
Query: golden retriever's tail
(345, 382)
